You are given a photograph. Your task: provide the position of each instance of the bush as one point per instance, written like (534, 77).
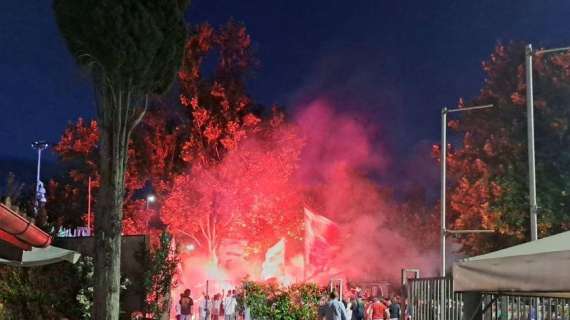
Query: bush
(268, 301)
(47, 292)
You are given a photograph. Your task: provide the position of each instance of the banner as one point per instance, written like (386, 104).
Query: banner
(321, 239)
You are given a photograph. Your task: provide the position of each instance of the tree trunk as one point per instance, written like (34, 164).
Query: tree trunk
(167, 302)
(109, 213)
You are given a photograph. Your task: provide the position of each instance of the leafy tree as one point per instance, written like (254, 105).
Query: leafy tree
(490, 168)
(131, 48)
(216, 103)
(67, 195)
(164, 144)
(251, 189)
(159, 278)
(170, 141)
(154, 150)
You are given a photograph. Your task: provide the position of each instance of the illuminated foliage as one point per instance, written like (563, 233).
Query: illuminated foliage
(249, 195)
(217, 105)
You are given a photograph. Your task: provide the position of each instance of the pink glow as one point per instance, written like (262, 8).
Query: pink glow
(256, 196)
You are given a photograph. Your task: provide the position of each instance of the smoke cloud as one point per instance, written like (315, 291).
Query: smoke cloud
(338, 164)
(321, 159)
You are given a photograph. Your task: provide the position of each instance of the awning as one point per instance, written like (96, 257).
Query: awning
(20, 232)
(537, 267)
(43, 256)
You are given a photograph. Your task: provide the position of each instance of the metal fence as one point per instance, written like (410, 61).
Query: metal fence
(429, 296)
(520, 307)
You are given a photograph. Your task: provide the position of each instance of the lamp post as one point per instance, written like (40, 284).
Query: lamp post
(151, 198)
(530, 123)
(39, 146)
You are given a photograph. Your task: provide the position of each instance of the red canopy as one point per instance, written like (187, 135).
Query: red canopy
(20, 232)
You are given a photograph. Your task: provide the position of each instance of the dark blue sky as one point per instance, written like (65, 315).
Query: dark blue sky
(397, 62)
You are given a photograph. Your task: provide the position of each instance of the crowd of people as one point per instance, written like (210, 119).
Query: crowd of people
(222, 306)
(359, 308)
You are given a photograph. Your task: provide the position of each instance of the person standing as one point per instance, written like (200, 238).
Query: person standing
(358, 309)
(378, 311)
(184, 306)
(408, 310)
(216, 306)
(348, 308)
(335, 308)
(206, 308)
(323, 306)
(394, 309)
(230, 304)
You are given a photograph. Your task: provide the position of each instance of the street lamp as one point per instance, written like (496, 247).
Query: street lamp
(39, 146)
(530, 123)
(443, 154)
(151, 198)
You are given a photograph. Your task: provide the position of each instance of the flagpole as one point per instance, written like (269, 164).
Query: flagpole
(304, 245)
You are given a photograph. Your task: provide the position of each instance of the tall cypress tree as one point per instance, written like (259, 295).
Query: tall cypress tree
(131, 49)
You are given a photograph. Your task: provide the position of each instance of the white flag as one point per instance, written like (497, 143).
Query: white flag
(274, 261)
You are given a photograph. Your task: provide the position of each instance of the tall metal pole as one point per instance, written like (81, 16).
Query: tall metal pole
(531, 153)
(443, 163)
(38, 171)
(443, 155)
(39, 146)
(89, 205)
(443, 231)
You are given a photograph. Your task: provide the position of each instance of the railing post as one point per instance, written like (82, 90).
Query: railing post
(472, 306)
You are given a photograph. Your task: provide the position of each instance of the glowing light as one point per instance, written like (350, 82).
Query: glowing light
(190, 247)
(151, 198)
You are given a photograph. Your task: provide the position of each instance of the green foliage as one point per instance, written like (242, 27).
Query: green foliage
(135, 44)
(84, 297)
(269, 301)
(159, 278)
(305, 298)
(47, 292)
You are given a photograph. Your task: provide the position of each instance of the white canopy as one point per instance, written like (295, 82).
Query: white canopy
(536, 267)
(43, 256)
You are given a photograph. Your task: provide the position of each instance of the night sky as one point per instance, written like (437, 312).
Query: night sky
(394, 63)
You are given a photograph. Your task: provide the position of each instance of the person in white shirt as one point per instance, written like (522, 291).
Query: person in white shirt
(230, 304)
(216, 307)
(206, 308)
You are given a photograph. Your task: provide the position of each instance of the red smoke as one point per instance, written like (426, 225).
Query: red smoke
(235, 211)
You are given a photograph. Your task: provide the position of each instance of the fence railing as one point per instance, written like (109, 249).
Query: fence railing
(521, 307)
(434, 299)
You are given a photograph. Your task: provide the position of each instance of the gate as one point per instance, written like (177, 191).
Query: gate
(433, 299)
